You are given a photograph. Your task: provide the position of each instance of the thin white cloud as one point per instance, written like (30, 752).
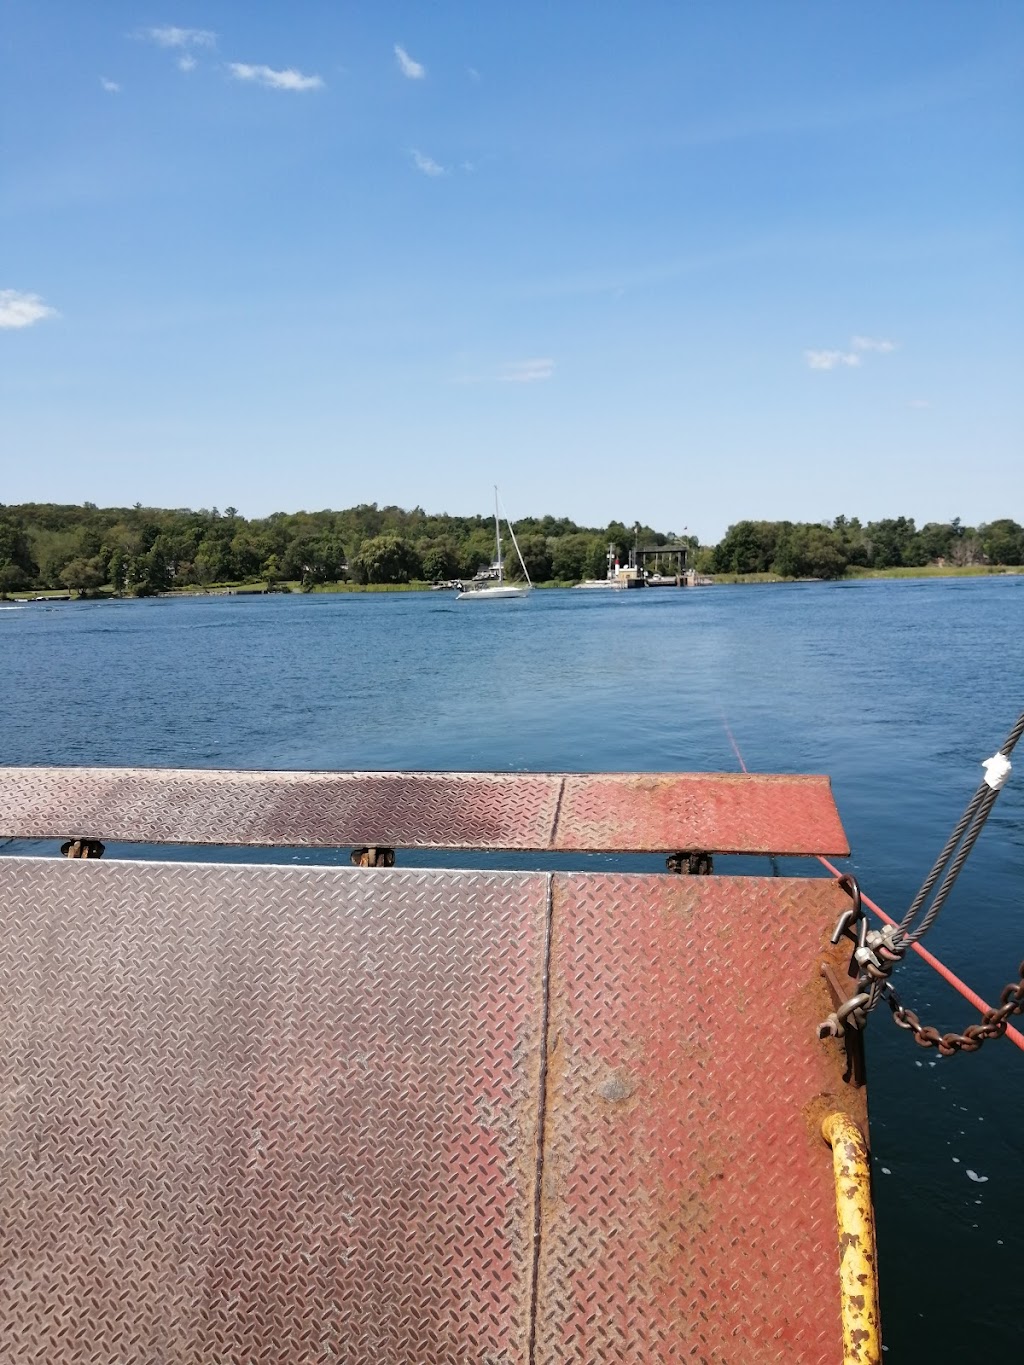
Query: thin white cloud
(288, 79)
(414, 70)
(169, 36)
(831, 360)
(474, 74)
(526, 371)
(919, 403)
(18, 309)
(111, 87)
(872, 344)
(187, 62)
(427, 164)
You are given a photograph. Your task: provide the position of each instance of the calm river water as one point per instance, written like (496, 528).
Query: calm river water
(897, 689)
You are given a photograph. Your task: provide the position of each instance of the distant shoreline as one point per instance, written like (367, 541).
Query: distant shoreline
(720, 580)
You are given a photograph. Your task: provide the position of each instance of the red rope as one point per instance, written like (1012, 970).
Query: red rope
(1015, 1037)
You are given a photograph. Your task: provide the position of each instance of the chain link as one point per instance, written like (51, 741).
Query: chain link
(875, 954)
(993, 1021)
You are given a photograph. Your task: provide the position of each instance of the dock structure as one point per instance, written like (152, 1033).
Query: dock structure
(279, 1113)
(661, 561)
(639, 573)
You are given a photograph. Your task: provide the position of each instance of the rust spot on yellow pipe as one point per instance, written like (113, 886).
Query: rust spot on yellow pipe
(858, 1279)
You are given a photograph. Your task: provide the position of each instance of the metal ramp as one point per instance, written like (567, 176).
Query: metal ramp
(292, 1115)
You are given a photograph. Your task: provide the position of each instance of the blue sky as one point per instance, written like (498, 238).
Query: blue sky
(676, 262)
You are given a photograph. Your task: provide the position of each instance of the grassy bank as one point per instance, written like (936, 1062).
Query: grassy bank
(924, 571)
(257, 589)
(939, 571)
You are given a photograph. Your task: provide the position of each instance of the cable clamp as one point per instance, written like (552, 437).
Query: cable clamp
(997, 770)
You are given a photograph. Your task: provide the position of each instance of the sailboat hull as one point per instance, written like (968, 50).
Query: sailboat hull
(490, 594)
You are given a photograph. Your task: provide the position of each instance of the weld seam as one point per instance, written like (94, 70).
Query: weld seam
(542, 1096)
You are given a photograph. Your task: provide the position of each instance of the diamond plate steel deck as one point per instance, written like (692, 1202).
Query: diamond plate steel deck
(688, 1209)
(716, 812)
(266, 1116)
(277, 1115)
(660, 812)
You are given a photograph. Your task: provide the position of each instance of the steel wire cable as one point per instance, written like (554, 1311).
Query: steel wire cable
(962, 840)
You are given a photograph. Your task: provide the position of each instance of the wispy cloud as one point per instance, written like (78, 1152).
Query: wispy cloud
(919, 403)
(414, 70)
(872, 344)
(526, 371)
(427, 164)
(511, 372)
(169, 36)
(859, 347)
(18, 309)
(111, 87)
(187, 62)
(831, 360)
(474, 75)
(288, 79)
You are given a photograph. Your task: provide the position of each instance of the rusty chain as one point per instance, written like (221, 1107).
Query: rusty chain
(993, 1021)
(875, 953)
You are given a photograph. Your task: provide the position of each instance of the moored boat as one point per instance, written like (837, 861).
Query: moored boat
(494, 577)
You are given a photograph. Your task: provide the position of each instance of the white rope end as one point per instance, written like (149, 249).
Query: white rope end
(997, 770)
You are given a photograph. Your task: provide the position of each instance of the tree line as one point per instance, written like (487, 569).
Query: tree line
(828, 550)
(141, 551)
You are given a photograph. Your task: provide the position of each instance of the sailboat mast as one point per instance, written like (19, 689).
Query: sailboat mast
(497, 534)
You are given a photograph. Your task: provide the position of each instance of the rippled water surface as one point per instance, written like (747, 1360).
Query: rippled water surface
(897, 689)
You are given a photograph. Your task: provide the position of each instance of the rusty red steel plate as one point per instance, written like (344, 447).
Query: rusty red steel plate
(716, 812)
(266, 1114)
(688, 1209)
(660, 812)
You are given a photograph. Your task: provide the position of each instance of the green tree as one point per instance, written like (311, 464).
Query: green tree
(246, 555)
(572, 555)
(16, 550)
(935, 541)
(1003, 542)
(808, 551)
(13, 578)
(891, 542)
(84, 575)
(748, 547)
(157, 566)
(823, 556)
(617, 535)
(440, 563)
(213, 563)
(54, 550)
(536, 556)
(850, 540)
(597, 560)
(386, 559)
(477, 553)
(313, 559)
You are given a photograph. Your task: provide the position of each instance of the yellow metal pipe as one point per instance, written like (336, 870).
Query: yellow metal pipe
(858, 1279)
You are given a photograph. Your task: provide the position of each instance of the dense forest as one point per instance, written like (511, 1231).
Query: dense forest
(812, 550)
(143, 550)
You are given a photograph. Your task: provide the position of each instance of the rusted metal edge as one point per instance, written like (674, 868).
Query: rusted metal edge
(542, 812)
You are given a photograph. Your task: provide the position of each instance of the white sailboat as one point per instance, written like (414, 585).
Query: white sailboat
(497, 586)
